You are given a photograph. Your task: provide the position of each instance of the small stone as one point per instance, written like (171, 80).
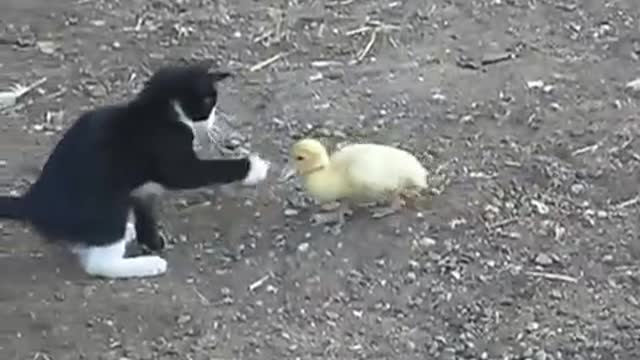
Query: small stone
(339, 134)
(332, 315)
(577, 189)
(634, 85)
(290, 212)
(426, 242)
(456, 274)
(527, 353)
(540, 355)
(555, 294)
(541, 207)
(533, 326)
(303, 247)
(535, 84)
(411, 276)
(543, 259)
(183, 319)
(411, 345)
(47, 47)
(466, 119)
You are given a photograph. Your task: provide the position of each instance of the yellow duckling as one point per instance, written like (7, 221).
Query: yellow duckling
(358, 173)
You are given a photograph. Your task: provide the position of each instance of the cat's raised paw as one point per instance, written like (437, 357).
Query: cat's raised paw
(258, 169)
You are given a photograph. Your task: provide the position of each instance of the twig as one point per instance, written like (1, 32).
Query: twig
(359, 30)
(501, 223)
(11, 97)
(590, 148)
(263, 36)
(325, 63)
(338, 3)
(552, 276)
(203, 299)
(629, 202)
(263, 64)
(258, 283)
(40, 355)
(368, 47)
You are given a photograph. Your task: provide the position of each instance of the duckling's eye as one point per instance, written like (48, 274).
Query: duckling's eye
(299, 158)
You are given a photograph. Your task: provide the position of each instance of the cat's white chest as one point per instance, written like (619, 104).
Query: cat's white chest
(148, 189)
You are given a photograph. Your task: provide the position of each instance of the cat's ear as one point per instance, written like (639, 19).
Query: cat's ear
(217, 76)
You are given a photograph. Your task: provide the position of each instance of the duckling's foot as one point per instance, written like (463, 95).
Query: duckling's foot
(337, 216)
(396, 204)
(336, 205)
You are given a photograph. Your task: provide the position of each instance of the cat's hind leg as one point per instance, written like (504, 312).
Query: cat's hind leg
(146, 224)
(108, 261)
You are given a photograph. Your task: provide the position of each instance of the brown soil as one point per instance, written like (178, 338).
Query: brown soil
(528, 250)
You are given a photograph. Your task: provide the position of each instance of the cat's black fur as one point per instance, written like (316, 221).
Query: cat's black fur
(88, 185)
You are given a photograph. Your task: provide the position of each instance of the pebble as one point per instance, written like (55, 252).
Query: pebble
(47, 47)
(304, 247)
(290, 212)
(577, 189)
(426, 242)
(543, 259)
(332, 315)
(541, 207)
(533, 326)
(555, 294)
(183, 319)
(541, 355)
(634, 85)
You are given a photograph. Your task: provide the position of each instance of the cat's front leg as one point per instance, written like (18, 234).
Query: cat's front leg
(184, 170)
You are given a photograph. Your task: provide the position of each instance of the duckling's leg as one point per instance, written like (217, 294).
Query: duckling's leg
(335, 216)
(397, 202)
(411, 197)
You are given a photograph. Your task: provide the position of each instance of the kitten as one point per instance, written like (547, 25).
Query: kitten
(112, 160)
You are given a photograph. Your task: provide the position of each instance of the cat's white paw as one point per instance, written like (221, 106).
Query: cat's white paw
(151, 266)
(98, 263)
(258, 169)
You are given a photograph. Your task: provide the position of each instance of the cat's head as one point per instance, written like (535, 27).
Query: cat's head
(190, 89)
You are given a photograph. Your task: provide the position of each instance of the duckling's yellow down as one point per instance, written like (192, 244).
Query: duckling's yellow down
(358, 172)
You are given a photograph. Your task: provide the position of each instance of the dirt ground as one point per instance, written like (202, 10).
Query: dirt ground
(527, 249)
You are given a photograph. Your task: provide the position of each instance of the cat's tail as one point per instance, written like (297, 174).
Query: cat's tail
(12, 207)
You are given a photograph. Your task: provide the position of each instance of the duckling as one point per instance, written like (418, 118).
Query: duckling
(358, 173)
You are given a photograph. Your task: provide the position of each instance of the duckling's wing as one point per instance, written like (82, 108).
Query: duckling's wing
(369, 168)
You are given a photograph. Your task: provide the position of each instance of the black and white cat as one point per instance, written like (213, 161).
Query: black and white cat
(111, 161)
